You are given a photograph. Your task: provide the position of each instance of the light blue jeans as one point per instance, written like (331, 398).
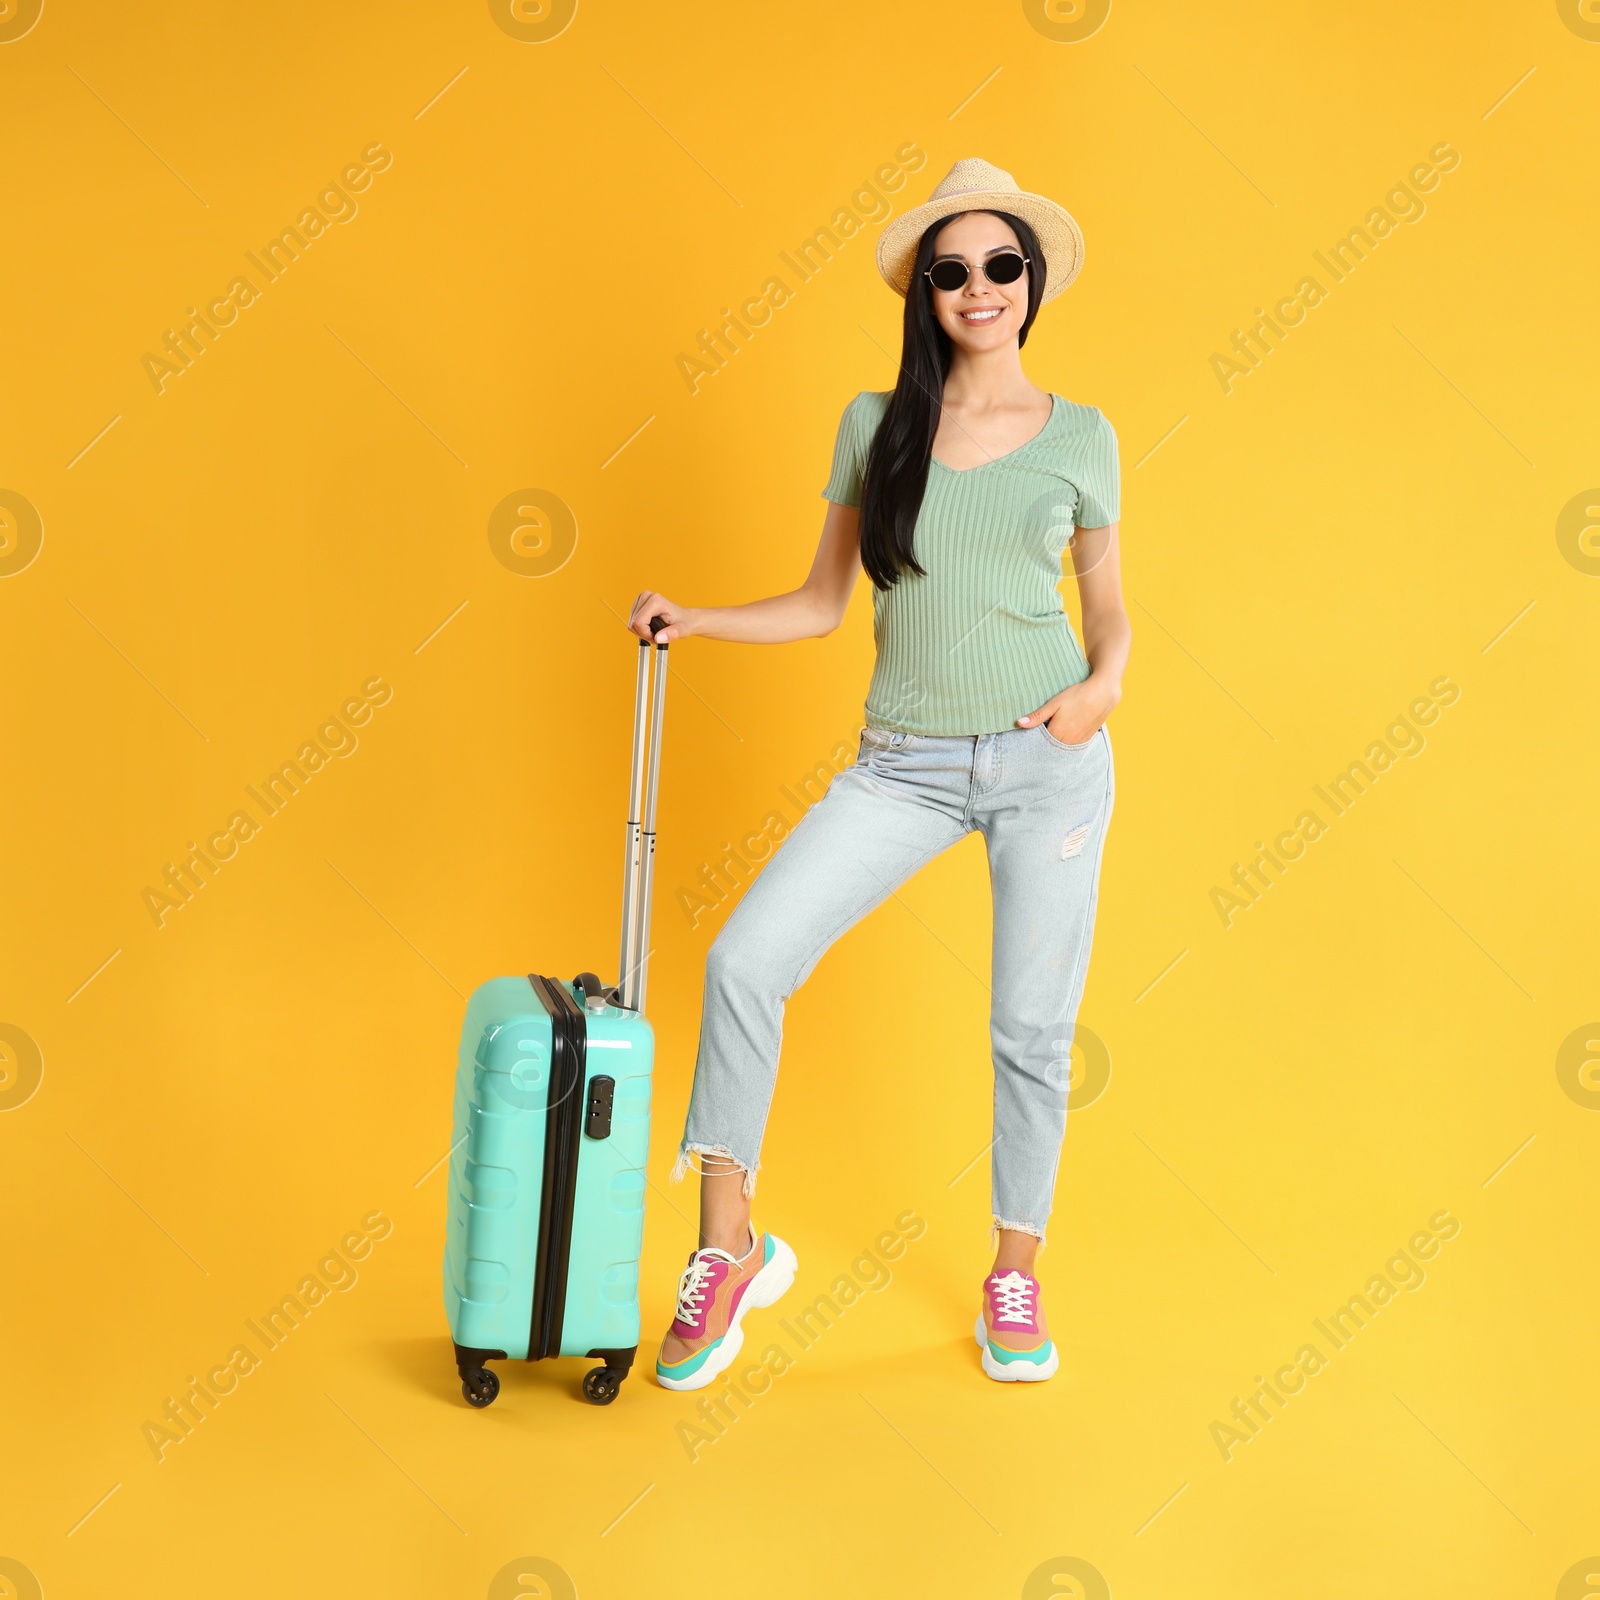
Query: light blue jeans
(1043, 808)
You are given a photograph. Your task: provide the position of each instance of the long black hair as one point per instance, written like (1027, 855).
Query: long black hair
(897, 464)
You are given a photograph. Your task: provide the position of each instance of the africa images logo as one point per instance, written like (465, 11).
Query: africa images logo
(21, 533)
(1402, 1271)
(336, 739)
(868, 204)
(1252, 878)
(1252, 345)
(335, 202)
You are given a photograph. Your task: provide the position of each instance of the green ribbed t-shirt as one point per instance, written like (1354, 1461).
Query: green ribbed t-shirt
(983, 638)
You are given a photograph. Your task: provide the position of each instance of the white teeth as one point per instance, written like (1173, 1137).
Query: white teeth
(979, 316)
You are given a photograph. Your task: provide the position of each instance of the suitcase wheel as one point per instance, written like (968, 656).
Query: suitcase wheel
(480, 1386)
(601, 1385)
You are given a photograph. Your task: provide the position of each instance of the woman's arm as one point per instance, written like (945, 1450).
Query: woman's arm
(816, 608)
(1076, 713)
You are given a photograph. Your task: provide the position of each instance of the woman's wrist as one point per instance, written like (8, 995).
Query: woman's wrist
(686, 621)
(1104, 690)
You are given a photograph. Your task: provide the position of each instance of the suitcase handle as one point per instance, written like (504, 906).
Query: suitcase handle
(639, 852)
(595, 996)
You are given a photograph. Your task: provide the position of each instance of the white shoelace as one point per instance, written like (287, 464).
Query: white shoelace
(1014, 1296)
(692, 1284)
(692, 1281)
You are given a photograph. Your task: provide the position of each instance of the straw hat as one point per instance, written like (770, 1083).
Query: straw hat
(974, 185)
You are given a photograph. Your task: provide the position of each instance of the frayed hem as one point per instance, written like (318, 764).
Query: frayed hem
(718, 1152)
(1014, 1227)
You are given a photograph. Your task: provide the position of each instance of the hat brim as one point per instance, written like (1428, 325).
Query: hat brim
(1060, 237)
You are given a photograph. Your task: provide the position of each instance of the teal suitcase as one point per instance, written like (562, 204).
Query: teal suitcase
(551, 1135)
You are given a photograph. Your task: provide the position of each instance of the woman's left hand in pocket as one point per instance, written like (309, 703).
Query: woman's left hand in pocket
(1074, 715)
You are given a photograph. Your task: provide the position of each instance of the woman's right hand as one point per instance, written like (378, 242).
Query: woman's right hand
(649, 605)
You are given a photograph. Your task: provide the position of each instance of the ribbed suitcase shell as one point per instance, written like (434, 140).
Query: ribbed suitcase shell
(496, 1166)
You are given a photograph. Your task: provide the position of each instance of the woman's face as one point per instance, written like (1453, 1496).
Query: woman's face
(980, 315)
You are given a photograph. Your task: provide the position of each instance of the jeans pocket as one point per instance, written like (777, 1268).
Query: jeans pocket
(880, 745)
(1050, 738)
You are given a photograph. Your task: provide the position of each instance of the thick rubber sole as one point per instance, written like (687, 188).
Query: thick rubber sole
(1014, 1371)
(768, 1286)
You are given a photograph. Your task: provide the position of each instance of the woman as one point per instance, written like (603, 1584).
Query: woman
(958, 493)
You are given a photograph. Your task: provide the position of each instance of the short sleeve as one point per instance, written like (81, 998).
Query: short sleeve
(1100, 486)
(850, 448)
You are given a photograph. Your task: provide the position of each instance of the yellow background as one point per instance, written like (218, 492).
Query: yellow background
(302, 509)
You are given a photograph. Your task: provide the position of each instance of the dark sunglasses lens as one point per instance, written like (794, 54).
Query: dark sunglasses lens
(947, 274)
(1006, 268)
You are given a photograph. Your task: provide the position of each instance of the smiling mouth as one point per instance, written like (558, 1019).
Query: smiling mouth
(981, 317)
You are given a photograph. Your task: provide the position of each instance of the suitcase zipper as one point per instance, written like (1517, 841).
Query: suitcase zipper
(563, 1114)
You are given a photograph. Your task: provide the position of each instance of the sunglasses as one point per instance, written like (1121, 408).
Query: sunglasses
(951, 274)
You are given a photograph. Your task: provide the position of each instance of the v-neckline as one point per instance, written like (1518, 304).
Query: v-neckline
(994, 461)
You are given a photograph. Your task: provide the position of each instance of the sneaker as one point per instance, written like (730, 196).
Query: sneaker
(714, 1293)
(1011, 1332)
